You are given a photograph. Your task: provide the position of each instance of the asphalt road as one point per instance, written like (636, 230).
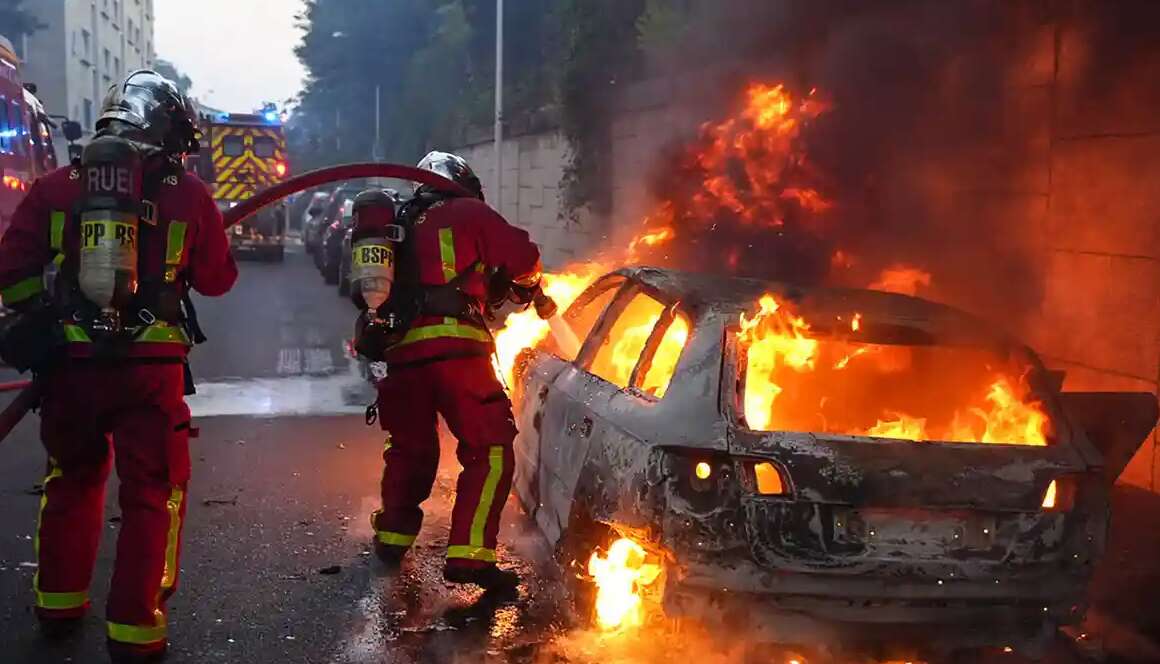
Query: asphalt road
(277, 564)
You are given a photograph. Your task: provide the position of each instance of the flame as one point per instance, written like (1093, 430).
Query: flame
(524, 329)
(779, 345)
(902, 279)
(750, 166)
(773, 339)
(620, 578)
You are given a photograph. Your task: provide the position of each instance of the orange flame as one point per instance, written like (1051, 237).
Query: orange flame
(524, 329)
(743, 162)
(779, 345)
(620, 578)
(902, 279)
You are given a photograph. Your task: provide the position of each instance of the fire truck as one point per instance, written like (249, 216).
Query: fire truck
(26, 150)
(242, 154)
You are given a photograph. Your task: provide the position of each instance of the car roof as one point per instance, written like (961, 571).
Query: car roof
(727, 295)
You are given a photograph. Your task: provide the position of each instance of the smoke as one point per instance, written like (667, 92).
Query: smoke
(936, 151)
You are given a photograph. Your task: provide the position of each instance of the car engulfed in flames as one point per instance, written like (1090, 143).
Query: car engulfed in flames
(817, 464)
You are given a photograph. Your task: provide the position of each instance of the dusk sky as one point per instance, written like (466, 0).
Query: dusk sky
(239, 53)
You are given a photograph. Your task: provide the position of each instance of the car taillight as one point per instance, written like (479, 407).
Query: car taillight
(1059, 496)
(767, 479)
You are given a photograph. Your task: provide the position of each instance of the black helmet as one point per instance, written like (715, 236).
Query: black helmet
(454, 168)
(148, 109)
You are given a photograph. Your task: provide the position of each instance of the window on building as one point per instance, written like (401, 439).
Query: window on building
(86, 43)
(88, 105)
(108, 60)
(117, 67)
(129, 32)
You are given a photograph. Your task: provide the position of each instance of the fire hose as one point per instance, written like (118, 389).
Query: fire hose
(29, 395)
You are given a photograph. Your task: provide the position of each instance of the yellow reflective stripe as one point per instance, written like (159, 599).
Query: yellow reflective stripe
(457, 330)
(157, 333)
(163, 333)
(394, 539)
(22, 290)
(56, 230)
(447, 254)
(173, 505)
(54, 472)
(61, 601)
(487, 496)
(138, 635)
(175, 243)
(471, 553)
(76, 334)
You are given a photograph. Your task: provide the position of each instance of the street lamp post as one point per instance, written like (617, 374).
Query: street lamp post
(499, 105)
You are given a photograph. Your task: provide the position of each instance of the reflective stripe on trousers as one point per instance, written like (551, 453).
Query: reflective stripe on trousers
(157, 632)
(475, 549)
(45, 600)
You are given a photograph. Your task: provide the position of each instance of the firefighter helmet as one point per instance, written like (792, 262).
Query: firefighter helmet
(148, 109)
(454, 168)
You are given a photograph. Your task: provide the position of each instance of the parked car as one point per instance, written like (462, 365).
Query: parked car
(312, 233)
(329, 253)
(805, 531)
(314, 207)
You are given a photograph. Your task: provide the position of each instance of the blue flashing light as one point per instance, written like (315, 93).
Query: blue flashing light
(9, 133)
(271, 116)
(222, 117)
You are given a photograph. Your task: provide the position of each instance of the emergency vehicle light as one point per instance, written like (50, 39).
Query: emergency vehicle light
(280, 168)
(271, 116)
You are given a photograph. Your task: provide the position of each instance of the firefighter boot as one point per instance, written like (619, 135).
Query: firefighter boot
(392, 556)
(488, 577)
(60, 629)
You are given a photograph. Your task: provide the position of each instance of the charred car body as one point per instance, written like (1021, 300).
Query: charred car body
(806, 534)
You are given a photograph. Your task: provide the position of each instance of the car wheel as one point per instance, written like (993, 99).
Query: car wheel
(576, 545)
(344, 286)
(330, 274)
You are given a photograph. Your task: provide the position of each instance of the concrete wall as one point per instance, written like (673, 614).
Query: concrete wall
(533, 167)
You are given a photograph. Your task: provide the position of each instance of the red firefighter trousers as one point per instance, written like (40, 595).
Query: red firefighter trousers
(472, 402)
(89, 411)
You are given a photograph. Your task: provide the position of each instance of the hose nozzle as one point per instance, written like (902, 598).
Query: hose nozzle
(545, 306)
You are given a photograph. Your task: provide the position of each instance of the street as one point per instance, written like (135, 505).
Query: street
(276, 564)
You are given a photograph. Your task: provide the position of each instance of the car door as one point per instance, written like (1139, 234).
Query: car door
(618, 369)
(540, 411)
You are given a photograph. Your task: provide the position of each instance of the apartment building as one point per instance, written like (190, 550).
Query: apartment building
(86, 46)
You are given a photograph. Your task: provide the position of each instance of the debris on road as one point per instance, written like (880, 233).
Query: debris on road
(208, 502)
(330, 571)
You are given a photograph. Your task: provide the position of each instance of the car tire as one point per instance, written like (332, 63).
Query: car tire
(330, 274)
(576, 545)
(343, 287)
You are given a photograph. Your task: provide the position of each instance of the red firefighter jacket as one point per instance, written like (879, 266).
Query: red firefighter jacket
(188, 246)
(452, 237)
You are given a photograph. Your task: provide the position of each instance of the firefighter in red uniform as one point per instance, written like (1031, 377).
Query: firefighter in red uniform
(116, 378)
(439, 363)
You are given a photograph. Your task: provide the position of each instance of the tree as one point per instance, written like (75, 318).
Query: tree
(16, 20)
(170, 71)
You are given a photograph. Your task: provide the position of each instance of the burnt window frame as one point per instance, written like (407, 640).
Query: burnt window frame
(591, 346)
(612, 282)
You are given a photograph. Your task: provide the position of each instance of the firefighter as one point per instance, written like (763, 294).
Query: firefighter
(437, 349)
(127, 231)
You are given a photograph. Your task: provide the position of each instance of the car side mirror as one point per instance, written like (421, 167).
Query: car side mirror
(72, 130)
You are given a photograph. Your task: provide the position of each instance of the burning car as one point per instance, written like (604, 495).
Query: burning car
(821, 465)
